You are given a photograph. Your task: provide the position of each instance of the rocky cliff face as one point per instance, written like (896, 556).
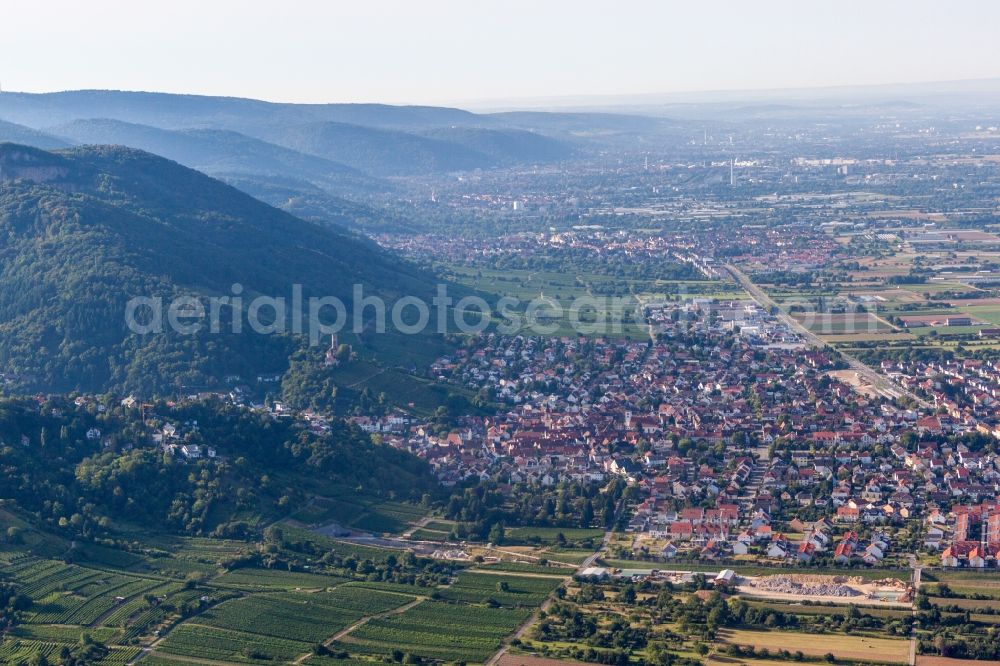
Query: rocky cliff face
(24, 163)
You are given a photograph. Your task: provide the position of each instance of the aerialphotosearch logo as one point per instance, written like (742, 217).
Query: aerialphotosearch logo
(319, 317)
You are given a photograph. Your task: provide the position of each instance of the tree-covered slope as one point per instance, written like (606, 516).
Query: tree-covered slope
(264, 468)
(85, 230)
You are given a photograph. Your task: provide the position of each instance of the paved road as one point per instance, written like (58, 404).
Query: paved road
(876, 379)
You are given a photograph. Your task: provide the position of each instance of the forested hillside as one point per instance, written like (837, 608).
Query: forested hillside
(84, 231)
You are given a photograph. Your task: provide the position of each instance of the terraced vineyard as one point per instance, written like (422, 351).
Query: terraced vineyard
(173, 601)
(137, 604)
(13, 651)
(145, 621)
(70, 594)
(21, 651)
(62, 633)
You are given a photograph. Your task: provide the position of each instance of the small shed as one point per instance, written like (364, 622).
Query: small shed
(725, 578)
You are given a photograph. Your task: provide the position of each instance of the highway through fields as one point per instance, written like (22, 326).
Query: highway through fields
(882, 384)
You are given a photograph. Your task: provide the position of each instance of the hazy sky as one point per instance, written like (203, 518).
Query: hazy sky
(432, 51)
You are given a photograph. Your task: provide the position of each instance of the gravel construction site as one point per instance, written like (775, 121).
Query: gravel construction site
(820, 588)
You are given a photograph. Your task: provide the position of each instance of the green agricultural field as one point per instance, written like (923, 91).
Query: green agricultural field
(419, 395)
(323, 510)
(440, 525)
(839, 340)
(423, 534)
(343, 549)
(616, 299)
(198, 641)
(111, 558)
(179, 567)
(262, 579)
(937, 287)
(507, 590)
(861, 323)
(568, 555)
(362, 513)
(550, 535)
(406, 513)
(436, 630)
(952, 576)
(965, 590)
(967, 604)
(377, 522)
(990, 313)
(305, 617)
(207, 550)
(398, 588)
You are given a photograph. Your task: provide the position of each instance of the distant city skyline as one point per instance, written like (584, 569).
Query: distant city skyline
(451, 52)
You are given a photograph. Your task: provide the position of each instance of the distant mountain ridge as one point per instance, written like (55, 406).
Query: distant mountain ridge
(14, 133)
(334, 163)
(217, 151)
(176, 111)
(342, 148)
